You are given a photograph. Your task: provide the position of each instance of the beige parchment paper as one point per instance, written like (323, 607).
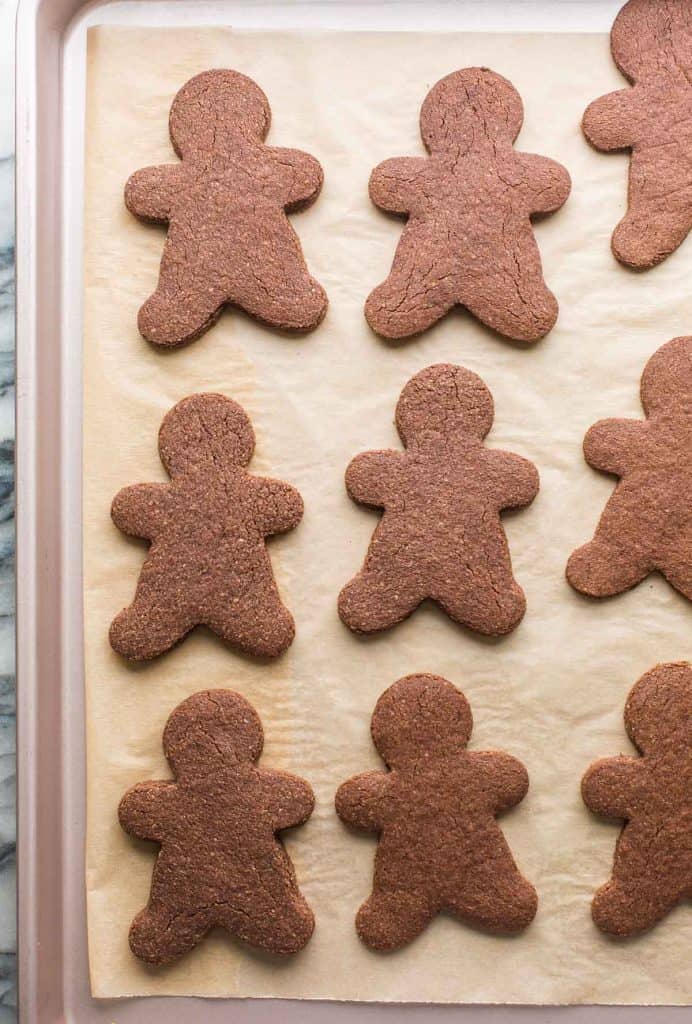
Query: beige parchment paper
(552, 693)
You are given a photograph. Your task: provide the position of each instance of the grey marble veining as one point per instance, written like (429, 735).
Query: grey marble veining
(8, 964)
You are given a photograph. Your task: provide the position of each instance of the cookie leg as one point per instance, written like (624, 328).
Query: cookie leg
(647, 234)
(274, 284)
(495, 896)
(283, 928)
(520, 308)
(623, 909)
(490, 609)
(408, 302)
(389, 920)
(378, 599)
(142, 631)
(600, 569)
(160, 933)
(678, 572)
(258, 622)
(187, 301)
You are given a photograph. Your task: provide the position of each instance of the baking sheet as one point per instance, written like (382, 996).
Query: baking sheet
(553, 692)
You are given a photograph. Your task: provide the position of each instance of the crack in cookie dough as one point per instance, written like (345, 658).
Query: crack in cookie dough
(468, 239)
(440, 847)
(651, 43)
(440, 536)
(221, 863)
(229, 240)
(647, 524)
(652, 868)
(208, 562)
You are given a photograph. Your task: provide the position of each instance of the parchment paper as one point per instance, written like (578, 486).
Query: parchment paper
(552, 693)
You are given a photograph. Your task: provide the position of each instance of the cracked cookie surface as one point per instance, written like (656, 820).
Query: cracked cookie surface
(652, 868)
(651, 43)
(440, 847)
(468, 239)
(208, 562)
(646, 525)
(440, 536)
(221, 863)
(229, 240)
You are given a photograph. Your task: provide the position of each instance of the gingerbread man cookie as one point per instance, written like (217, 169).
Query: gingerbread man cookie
(440, 536)
(651, 42)
(221, 863)
(229, 240)
(652, 870)
(647, 524)
(468, 239)
(208, 563)
(440, 847)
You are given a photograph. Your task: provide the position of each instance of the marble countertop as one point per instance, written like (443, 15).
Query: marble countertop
(8, 959)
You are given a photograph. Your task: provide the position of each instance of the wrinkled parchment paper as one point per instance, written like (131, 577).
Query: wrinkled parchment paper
(552, 693)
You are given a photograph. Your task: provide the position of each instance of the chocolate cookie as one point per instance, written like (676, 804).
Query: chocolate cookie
(440, 847)
(651, 42)
(208, 562)
(229, 240)
(652, 870)
(221, 863)
(647, 523)
(468, 240)
(440, 536)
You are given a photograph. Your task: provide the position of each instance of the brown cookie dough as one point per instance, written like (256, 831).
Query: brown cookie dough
(208, 562)
(440, 847)
(229, 240)
(652, 870)
(440, 536)
(221, 863)
(651, 42)
(468, 239)
(647, 524)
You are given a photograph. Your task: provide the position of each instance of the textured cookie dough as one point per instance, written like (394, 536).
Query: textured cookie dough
(468, 239)
(208, 562)
(440, 536)
(229, 240)
(440, 847)
(221, 863)
(651, 42)
(647, 524)
(652, 870)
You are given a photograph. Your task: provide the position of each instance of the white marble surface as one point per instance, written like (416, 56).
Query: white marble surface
(7, 701)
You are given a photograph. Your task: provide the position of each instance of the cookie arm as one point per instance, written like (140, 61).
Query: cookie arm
(393, 183)
(368, 477)
(279, 507)
(514, 479)
(609, 123)
(609, 785)
(290, 799)
(150, 193)
(547, 181)
(145, 809)
(139, 510)
(503, 776)
(301, 177)
(613, 446)
(358, 801)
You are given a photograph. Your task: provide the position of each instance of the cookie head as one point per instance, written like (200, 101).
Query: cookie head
(667, 379)
(467, 107)
(652, 36)
(658, 713)
(212, 730)
(205, 431)
(213, 109)
(444, 401)
(420, 718)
